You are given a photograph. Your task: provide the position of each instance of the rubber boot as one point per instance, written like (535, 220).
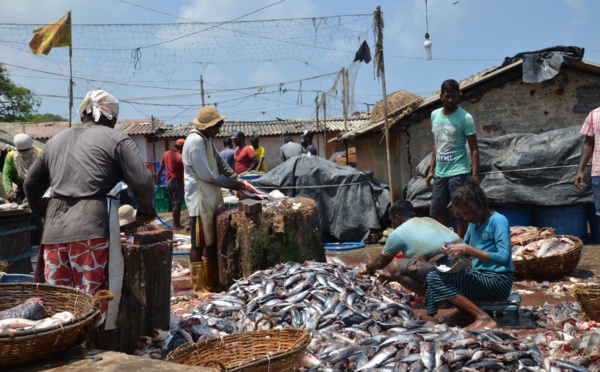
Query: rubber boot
(198, 278)
(211, 273)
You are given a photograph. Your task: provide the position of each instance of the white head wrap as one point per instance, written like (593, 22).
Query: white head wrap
(99, 102)
(23, 141)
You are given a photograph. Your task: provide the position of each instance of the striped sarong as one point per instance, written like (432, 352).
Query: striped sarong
(477, 286)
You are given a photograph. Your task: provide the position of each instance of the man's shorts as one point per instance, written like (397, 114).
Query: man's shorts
(441, 195)
(175, 189)
(419, 272)
(596, 189)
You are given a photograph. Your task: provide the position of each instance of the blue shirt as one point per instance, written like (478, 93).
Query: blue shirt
(227, 155)
(419, 237)
(492, 237)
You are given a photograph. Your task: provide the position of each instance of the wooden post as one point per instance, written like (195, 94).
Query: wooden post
(381, 69)
(145, 299)
(202, 90)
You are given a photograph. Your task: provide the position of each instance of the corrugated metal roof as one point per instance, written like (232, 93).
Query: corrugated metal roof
(9, 136)
(44, 131)
(274, 127)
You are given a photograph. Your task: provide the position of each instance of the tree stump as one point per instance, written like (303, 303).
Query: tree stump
(146, 293)
(285, 230)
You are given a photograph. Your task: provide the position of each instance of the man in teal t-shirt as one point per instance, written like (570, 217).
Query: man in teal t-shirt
(418, 238)
(452, 128)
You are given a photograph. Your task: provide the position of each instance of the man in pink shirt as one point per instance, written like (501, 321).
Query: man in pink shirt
(173, 162)
(244, 156)
(590, 150)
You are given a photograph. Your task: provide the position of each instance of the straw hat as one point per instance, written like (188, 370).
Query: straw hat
(126, 214)
(207, 117)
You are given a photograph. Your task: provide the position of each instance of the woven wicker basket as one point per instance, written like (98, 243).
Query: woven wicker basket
(550, 267)
(280, 350)
(588, 297)
(29, 346)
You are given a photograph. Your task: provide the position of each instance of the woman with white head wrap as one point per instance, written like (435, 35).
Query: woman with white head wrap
(16, 165)
(82, 165)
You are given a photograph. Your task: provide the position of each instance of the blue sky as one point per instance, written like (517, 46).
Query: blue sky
(468, 36)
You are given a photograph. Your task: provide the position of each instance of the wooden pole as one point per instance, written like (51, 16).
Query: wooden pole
(202, 89)
(381, 69)
(324, 99)
(70, 81)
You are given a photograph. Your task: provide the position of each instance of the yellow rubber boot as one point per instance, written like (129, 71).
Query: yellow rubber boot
(211, 274)
(198, 278)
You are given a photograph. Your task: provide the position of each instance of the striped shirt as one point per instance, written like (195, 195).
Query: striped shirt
(591, 127)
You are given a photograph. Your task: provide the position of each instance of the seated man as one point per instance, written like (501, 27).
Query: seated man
(418, 238)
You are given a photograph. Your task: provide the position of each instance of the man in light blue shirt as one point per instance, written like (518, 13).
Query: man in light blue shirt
(418, 238)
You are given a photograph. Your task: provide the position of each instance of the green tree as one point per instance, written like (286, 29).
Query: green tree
(45, 118)
(16, 103)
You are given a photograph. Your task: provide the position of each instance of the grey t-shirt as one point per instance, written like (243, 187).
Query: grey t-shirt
(82, 165)
(290, 149)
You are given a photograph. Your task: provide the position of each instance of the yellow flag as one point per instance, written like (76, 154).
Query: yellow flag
(55, 34)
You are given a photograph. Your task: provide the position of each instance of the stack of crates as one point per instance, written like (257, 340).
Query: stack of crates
(162, 202)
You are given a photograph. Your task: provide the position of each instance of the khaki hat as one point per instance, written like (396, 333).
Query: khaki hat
(207, 117)
(126, 214)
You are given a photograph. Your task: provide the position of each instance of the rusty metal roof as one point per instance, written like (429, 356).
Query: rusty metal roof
(4, 135)
(44, 131)
(274, 127)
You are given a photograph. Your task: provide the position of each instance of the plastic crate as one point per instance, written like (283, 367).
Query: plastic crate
(162, 193)
(163, 205)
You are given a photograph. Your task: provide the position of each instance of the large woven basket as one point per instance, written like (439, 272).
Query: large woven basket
(550, 267)
(29, 346)
(588, 297)
(280, 350)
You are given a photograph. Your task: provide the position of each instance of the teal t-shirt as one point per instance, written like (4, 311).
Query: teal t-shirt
(494, 238)
(419, 237)
(450, 134)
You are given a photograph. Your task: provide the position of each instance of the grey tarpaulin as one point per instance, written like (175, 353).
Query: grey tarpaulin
(350, 202)
(544, 64)
(522, 169)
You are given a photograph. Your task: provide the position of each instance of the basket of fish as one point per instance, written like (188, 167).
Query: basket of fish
(588, 297)
(526, 234)
(40, 320)
(279, 350)
(548, 257)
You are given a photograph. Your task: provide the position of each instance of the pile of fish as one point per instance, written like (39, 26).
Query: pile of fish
(520, 234)
(356, 323)
(29, 315)
(546, 247)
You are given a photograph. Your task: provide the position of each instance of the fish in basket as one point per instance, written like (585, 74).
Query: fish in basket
(547, 257)
(40, 320)
(588, 297)
(279, 350)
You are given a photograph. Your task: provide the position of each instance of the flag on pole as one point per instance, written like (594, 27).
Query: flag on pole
(55, 34)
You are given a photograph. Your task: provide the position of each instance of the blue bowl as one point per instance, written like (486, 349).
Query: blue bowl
(16, 278)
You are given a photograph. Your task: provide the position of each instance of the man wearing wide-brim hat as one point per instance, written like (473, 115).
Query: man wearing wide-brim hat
(205, 173)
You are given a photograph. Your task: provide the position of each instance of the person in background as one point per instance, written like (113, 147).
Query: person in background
(418, 238)
(244, 156)
(452, 128)
(172, 161)
(16, 166)
(227, 152)
(205, 174)
(260, 154)
(308, 144)
(289, 149)
(590, 150)
(490, 279)
(82, 165)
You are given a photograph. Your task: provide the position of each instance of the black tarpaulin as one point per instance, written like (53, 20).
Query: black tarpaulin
(522, 169)
(350, 202)
(544, 64)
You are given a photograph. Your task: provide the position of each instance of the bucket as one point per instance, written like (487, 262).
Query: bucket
(570, 220)
(516, 216)
(16, 278)
(594, 222)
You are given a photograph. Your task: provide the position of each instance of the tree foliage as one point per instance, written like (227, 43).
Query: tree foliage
(45, 118)
(17, 104)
